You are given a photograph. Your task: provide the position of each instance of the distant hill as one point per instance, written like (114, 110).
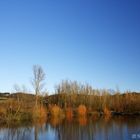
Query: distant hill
(4, 94)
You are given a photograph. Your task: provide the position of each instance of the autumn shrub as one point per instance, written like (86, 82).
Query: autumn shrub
(2, 114)
(43, 112)
(55, 111)
(82, 110)
(10, 111)
(107, 112)
(2, 111)
(39, 113)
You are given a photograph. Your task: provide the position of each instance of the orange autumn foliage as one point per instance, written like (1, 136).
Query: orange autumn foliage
(82, 110)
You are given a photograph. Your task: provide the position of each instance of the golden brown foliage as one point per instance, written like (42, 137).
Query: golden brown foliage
(69, 114)
(56, 111)
(82, 110)
(107, 112)
(82, 120)
(39, 113)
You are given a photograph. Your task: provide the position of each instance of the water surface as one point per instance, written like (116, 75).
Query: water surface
(117, 128)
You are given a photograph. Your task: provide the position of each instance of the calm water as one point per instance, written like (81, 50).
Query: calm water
(118, 128)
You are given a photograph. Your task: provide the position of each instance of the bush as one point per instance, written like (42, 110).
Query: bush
(39, 113)
(82, 111)
(55, 111)
(107, 112)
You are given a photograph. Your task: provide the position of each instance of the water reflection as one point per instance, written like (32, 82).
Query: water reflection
(118, 128)
(15, 133)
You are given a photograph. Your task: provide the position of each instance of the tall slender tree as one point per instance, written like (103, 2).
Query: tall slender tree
(38, 80)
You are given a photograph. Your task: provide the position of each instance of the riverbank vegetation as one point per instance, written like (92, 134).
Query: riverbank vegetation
(71, 99)
(75, 95)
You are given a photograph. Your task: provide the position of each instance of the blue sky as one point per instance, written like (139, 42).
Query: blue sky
(92, 41)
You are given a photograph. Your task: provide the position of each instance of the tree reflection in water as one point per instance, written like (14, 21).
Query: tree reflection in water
(77, 129)
(16, 133)
(100, 129)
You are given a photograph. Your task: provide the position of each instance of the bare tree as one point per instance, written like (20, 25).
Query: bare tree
(21, 89)
(38, 80)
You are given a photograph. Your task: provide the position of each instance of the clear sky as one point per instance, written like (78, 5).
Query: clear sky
(92, 41)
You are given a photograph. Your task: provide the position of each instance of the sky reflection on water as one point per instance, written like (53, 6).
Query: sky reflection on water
(117, 128)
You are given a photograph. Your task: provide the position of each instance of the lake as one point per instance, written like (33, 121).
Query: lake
(116, 128)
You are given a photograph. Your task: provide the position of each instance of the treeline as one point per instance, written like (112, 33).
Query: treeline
(5, 94)
(72, 94)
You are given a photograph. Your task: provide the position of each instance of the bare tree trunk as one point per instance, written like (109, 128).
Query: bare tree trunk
(37, 81)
